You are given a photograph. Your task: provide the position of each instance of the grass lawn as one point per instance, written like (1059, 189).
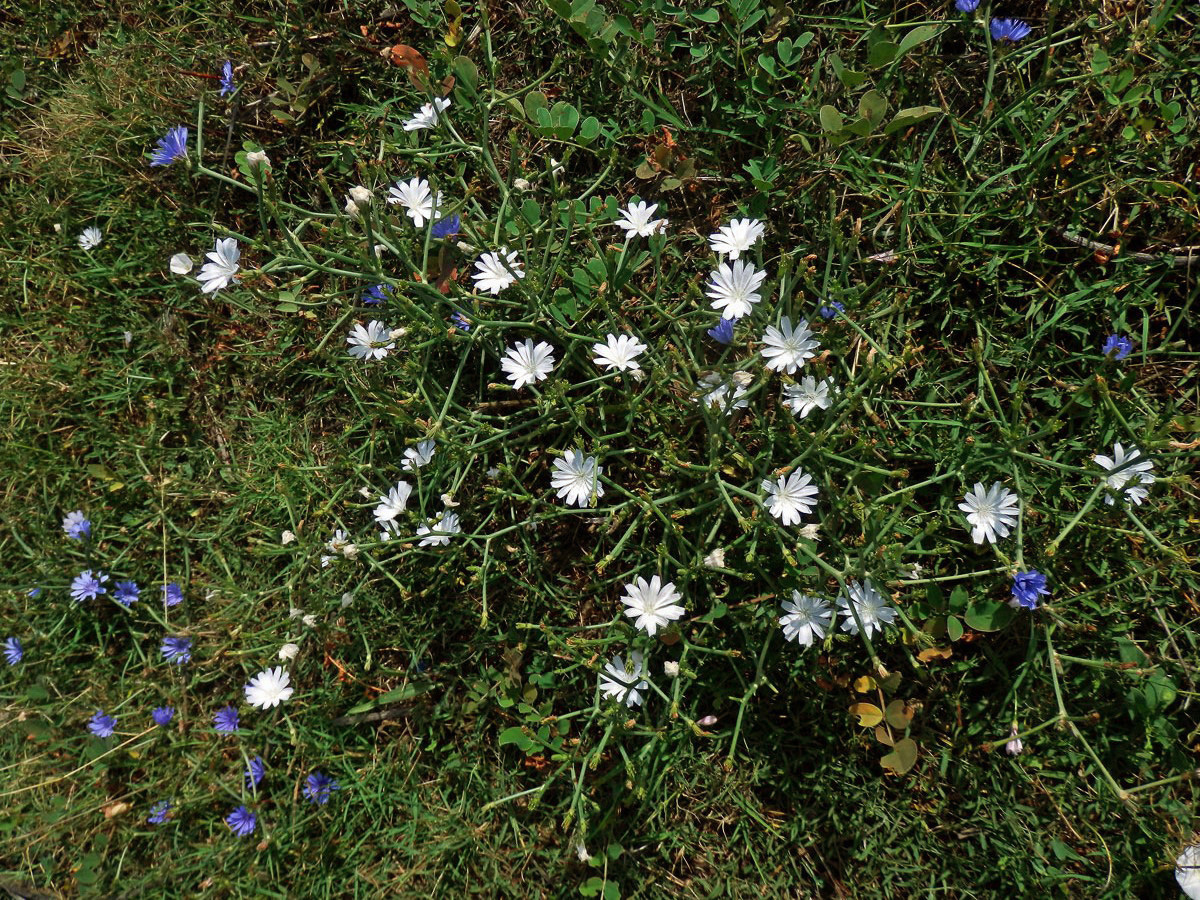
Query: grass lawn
(417, 414)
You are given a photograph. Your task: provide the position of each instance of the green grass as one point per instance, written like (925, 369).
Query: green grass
(971, 355)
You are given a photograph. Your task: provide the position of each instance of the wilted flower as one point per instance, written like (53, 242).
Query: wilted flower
(715, 559)
(222, 266)
(1127, 473)
(873, 610)
(624, 682)
(1014, 746)
(171, 148)
(181, 264)
(90, 238)
(991, 513)
(575, 477)
(496, 271)
(256, 158)
(525, 364)
(736, 237)
(671, 668)
(289, 651)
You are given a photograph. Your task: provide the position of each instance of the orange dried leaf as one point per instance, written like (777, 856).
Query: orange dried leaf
(935, 653)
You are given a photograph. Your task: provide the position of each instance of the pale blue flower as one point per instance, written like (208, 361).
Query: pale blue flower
(88, 586)
(177, 650)
(158, 812)
(318, 788)
(1118, 346)
(227, 85)
(171, 148)
(1011, 30)
(1027, 587)
(102, 726)
(241, 821)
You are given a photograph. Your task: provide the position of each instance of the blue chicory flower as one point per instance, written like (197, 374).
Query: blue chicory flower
(459, 321)
(171, 148)
(1027, 587)
(177, 650)
(162, 715)
(318, 788)
(1119, 345)
(158, 812)
(102, 726)
(13, 651)
(966, 6)
(126, 593)
(447, 227)
(828, 312)
(1011, 30)
(723, 332)
(172, 594)
(255, 772)
(35, 592)
(227, 85)
(226, 720)
(88, 586)
(76, 525)
(377, 294)
(241, 821)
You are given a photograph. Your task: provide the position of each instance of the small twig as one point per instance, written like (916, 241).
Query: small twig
(374, 715)
(1175, 259)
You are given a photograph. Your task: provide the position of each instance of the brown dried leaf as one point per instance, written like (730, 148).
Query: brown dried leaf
(409, 58)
